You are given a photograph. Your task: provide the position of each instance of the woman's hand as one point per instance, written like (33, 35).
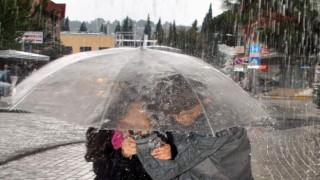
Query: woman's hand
(162, 153)
(128, 147)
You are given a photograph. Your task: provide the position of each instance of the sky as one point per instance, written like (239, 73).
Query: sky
(184, 12)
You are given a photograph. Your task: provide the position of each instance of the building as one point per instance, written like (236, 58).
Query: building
(54, 14)
(79, 42)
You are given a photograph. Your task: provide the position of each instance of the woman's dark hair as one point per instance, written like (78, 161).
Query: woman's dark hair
(120, 102)
(123, 95)
(175, 93)
(98, 144)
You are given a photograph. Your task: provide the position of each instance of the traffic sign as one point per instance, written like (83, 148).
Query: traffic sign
(254, 50)
(254, 63)
(238, 61)
(238, 68)
(239, 49)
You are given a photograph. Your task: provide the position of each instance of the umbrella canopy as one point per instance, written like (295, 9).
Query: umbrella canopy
(23, 55)
(102, 88)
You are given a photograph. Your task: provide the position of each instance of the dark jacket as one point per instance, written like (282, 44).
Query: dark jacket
(109, 163)
(117, 167)
(200, 157)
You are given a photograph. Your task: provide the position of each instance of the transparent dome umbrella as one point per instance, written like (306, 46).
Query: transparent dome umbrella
(102, 88)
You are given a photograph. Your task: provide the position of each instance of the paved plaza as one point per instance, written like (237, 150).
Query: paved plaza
(37, 147)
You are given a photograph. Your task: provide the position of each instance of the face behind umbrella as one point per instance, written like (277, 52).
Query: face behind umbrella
(97, 88)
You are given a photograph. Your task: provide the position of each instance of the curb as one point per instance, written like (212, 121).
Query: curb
(30, 151)
(285, 97)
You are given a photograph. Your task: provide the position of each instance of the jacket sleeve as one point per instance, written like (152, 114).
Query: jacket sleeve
(192, 149)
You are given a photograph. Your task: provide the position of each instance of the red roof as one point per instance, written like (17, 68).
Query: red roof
(59, 9)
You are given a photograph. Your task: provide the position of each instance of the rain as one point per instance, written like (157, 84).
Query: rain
(225, 89)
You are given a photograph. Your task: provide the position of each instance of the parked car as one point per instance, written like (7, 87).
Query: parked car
(266, 85)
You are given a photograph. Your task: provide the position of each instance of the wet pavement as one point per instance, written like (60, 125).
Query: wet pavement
(24, 133)
(286, 149)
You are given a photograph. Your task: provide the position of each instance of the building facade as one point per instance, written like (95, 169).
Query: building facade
(80, 42)
(54, 14)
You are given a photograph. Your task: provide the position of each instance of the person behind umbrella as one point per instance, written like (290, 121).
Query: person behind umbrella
(113, 151)
(225, 155)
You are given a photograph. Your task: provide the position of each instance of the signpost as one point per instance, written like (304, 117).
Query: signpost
(239, 60)
(238, 64)
(254, 61)
(254, 64)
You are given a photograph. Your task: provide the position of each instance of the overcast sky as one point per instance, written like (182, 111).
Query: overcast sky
(184, 12)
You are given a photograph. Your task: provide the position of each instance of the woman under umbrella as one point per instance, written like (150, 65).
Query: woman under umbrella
(224, 155)
(113, 151)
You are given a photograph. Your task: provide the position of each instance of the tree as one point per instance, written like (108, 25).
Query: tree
(83, 27)
(118, 27)
(103, 29)
(194, 25)
(192, 43)
(127, 25)
(159, 33)
(181, 42)
(206, 24)
(15, 19)
(169, 38)
(174, 35)
(127, 29)
(65, 24)
(39, 14)
(147, 28)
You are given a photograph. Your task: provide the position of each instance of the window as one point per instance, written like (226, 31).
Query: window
(68, 50)
(101, 48)
(82, 49)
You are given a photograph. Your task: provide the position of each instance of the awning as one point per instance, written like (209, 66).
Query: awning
(23, 55)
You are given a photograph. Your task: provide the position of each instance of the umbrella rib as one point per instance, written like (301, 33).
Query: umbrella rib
(111, 92)
(192, 87)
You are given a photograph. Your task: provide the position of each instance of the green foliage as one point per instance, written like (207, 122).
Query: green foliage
(147, 28)
(14, 20)
(174, 35)
(169, 38)
(127, 25)
(83, 27)
(118, 28)
(193, 41)
(39, 16)
(65, 24)
(103, 29)
(159, 34)
(207, 21)
(290, 27)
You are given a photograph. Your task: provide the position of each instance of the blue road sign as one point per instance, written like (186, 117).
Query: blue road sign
(254, 48)
(254, 62)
